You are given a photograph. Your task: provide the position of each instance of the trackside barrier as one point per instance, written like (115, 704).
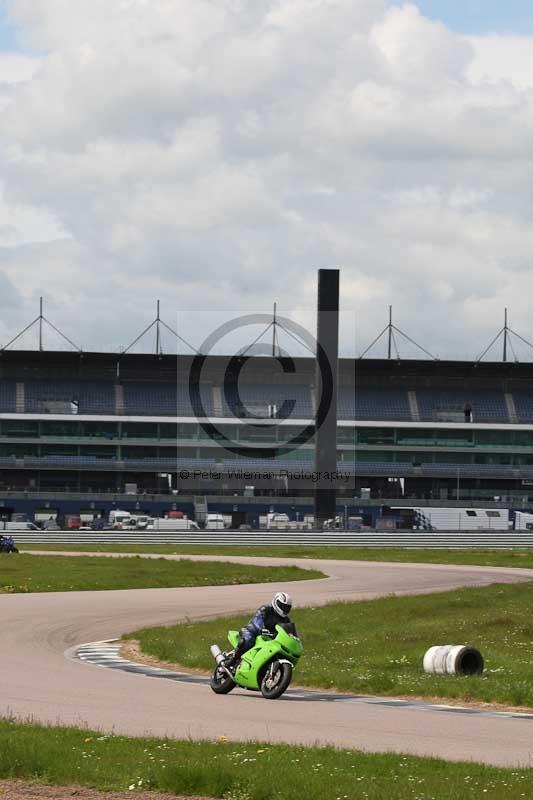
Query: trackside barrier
(439, 540)
(453, 659)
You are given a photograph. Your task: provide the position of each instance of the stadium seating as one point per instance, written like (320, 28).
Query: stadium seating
(346, 402)
(7, 397)
(450, 404)
(468, 470)
(156, 464)
(384, 468)
(90, 397)
(69, 462)
(380, 404)
(523, 402)
(256, 398)
(408, 469)
(149, 398)
(163, 399)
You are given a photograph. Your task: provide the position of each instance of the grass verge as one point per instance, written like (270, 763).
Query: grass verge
(377, 646)
(518, 557)
(237, 771)
(27, 573)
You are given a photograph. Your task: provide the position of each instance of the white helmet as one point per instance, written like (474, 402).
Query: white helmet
(282, 603)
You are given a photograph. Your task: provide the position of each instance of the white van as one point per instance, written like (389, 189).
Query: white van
(214, 522)
(173, 525)
(125, 521)
(121, 520)
(19, 526)
(276, 521)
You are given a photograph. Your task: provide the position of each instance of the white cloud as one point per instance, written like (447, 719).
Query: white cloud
(21, 224)
(216, 154)
(418, 51)
(502, 59)
(17, 68)
(14, 68)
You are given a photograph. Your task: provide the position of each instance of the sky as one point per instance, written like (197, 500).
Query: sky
(481, 16)
(216, 154)
(8, 40)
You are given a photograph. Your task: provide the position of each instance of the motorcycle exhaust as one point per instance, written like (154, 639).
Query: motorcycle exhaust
(220, 657)
(217, 653)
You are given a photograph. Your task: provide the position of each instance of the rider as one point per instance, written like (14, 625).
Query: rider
(265, 619)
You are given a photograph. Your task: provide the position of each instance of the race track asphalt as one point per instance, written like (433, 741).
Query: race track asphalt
(39, 681)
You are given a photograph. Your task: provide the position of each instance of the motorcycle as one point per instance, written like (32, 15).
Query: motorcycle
(7, 545)
(267, 667)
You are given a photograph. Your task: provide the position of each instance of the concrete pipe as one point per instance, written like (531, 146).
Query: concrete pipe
(451, 659)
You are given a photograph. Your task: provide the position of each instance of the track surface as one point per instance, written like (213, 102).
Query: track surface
(108, 654)
(39, 682)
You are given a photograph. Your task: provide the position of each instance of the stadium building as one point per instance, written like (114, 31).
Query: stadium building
(445, 430)
(99, 431)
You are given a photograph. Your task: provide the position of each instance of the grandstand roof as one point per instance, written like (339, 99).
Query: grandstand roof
(414, 373)
(35, 364)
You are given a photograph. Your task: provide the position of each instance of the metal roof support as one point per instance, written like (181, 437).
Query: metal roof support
(390, 329)
(157, 323)
(507, 333)
(39, 322)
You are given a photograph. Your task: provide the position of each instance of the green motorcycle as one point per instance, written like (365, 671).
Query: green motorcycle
(266, 668)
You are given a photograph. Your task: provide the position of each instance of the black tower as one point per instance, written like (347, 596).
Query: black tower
(327, 357)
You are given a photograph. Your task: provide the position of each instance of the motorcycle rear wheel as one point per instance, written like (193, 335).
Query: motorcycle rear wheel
(276, 680)
(220, 682)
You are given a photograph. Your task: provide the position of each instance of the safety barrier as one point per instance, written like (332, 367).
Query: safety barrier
(439, 540)
(450, 659)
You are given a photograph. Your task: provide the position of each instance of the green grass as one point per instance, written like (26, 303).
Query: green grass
(518, 557)
(29, 573)
(237, 771)
(377, 646)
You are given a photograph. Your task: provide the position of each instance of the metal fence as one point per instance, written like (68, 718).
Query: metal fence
(264, 539)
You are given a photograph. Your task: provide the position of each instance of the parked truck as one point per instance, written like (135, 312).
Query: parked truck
(454, 519)
(523, 521)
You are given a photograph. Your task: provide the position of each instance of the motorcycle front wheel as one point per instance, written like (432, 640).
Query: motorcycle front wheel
(220, 682)
(276, 680)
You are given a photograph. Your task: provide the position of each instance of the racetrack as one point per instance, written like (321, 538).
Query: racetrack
(38, 681)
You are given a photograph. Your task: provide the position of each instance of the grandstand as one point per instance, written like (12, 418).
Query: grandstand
(93, 426)
(445, 430)
(84, 429)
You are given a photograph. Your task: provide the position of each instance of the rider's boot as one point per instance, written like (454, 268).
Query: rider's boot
(230, 661)
(234, 658)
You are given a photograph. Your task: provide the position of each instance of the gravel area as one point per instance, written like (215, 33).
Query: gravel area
(17, 790)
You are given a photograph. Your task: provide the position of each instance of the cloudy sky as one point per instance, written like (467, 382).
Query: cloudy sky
(216, 153)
